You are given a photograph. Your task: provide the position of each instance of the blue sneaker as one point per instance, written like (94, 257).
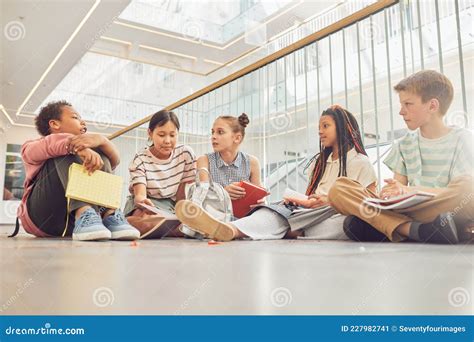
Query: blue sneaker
(120, 228)
(89, 227)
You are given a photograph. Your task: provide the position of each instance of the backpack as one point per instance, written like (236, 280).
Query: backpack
(212, 197)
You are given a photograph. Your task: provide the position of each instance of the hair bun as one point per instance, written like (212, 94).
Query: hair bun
(244, 120)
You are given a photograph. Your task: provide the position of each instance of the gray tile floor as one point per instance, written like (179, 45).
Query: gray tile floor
(177, 276)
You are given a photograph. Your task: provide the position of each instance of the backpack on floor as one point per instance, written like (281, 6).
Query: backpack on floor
(210, 196)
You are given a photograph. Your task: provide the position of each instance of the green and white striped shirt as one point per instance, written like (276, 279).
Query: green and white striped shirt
(433, 162)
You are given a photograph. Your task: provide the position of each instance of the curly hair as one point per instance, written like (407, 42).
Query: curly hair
(52, 111)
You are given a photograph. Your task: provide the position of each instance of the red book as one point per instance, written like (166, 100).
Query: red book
(253, 193)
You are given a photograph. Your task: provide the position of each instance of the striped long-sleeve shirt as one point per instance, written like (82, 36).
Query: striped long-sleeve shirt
(163, 177)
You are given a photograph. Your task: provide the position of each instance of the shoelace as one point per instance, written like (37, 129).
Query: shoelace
(118, 217)
(90, 218)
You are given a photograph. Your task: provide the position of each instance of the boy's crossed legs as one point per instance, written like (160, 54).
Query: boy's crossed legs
(422, 222)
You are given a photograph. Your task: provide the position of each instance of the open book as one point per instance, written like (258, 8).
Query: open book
(163, 226)
(400, 202)
(299, 198)
(155, 210)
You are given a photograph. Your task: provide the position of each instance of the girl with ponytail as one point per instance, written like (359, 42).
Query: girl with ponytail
(342, 154)
(227, 164)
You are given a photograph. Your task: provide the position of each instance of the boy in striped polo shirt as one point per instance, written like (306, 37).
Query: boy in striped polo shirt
(432, 157)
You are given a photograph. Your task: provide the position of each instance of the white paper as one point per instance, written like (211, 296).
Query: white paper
(401, 202)
(294, 194)
(155, 210)
(400, 198)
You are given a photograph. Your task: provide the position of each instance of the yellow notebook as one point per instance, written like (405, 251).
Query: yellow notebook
(100, 188)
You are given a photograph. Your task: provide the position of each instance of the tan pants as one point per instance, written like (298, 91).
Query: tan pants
(346, 196)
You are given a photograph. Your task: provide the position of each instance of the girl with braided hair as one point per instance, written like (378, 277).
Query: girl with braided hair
(347, 137)
(342, 154)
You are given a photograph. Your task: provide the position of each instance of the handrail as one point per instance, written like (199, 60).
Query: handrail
(337, 26)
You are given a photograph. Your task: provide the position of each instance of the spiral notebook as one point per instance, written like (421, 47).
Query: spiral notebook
(99, 188)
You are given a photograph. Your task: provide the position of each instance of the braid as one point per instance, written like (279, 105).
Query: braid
(342, 142)
(348, 137)
(319, 168)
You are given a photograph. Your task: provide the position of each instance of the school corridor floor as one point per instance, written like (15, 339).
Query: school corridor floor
(177, 276)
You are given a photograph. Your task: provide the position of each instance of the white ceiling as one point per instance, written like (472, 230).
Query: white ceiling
(34, 33)
(186, 52)
(42, 41)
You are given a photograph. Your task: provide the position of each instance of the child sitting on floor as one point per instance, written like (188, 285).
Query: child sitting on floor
(43, 209)
(227, 164)
(341, 154)
(160, 172)
(433, 158)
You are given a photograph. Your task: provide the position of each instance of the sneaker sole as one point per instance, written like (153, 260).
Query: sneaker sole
(199, 220)
(92, 236)
(191, 233)
(453, 233)
(125, 235)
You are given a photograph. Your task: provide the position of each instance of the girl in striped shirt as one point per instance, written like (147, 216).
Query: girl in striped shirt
(158, 173)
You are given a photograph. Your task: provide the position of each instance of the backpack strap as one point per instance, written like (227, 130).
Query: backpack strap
(68, 205)
(67, 215)
(227, 204)
(200, 191)
(17, 228)
(199, 194)
(198, 181)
